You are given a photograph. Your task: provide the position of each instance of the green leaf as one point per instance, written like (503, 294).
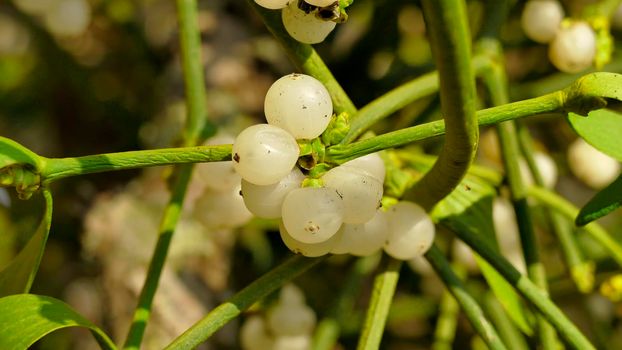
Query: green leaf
(603, 203)
(26, 318)
(18, 275)
(12, 153)
(601, 129)
(469, 208)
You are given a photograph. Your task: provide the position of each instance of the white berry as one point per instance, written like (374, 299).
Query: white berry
(541, 19)
(291, 319)
(217, 209)
(360, 191)
(372, 163)
(546, 166)
(305, 27)
(574, 48)
(320, 3)
(363, 239)
(263, 154)
(310, 250)
(411, 231)
(273, 4)
(266, 201)
(299, 104)
(312, 215)
(593, 167)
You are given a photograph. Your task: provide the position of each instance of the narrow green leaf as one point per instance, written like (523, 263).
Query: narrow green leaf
(469, 208)
(603, 203)
(601, 129)
(18, 275)
(26, 318)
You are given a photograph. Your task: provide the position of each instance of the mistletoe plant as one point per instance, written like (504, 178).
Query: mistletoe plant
(447, 187)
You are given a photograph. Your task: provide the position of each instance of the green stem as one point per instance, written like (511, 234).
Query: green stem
(305, 58)
(568, 210)
(553, 102)
(59, 168)
(190, 39)
(469, 305)
(447, 322)
(528, 290)
(510, 335)
(581, 271)
(242, 300)
(379, 305)
(399, 98)
(391, 102)
(447, 23)
(170, 218)
(496, 84)
(197, 124)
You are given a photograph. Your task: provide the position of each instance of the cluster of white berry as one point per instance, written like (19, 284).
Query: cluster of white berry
(308, 21)
(288, 326)
(572, 44)
(341, 216)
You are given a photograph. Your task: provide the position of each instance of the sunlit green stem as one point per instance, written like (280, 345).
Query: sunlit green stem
(379, 305)
(509, 333)
(582, 272)
(59, 168)
(496, 83)
(241, 301)
(528, 290)
(469, 305)
(196, 122)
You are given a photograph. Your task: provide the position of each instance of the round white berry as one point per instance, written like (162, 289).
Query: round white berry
(363, 239)
(299, 104)
(360, 191)
(305, 27)
(290, 294)
(541, 19)
(273, 4)
(266, 201)
(372, 163)
(312, 215)
(290, 320)
(263, 154)
(574, 48)
(292, 342)
(217, 209)
(310, 250)
(593, 167)
(411, 231)
(546, 166)
(218, 176)
(320, 3)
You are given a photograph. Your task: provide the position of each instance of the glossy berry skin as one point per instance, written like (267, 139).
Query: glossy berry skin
(312, 215)
(263, 154)
(299, 104)
(411, 231)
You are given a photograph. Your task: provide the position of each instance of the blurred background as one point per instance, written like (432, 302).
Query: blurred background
(81, 77)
